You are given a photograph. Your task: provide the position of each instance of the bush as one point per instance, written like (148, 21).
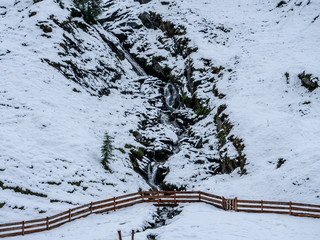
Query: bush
(106, 151)
(90, 9)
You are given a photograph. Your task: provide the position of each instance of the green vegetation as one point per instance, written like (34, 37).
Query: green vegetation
(32, 14)
(75, 183)
(106, 151)
(280, 162)
(22, 191)
(90, 9)
(46, 28)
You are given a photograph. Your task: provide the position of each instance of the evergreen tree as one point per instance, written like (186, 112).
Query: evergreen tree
(90, 9)
(106, 151)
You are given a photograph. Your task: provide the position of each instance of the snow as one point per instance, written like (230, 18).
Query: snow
(50, 134)
(51, 129)
(276, 119)
(197, 220)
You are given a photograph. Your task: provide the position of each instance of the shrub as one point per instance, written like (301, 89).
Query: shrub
(106, 151)
(90, 9)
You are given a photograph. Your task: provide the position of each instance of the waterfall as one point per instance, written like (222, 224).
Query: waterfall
(172, 96)
(152, 174)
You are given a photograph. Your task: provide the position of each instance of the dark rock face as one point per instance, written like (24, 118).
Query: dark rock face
(142, 1)
(152, 21)
(176, 103)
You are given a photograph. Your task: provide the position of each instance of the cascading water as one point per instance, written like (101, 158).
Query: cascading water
(152, 166)
(152, 174)
(172, 97)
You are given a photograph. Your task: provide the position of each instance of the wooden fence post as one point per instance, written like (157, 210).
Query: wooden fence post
(290, 208)
(132, 235)
(23, 228)
(261, 206)
(119, 233)
(223, 203)
(69, 215)
(199, 196)
(158, 201)
(142, 193)
(175, 197)
(47, 223)
(236, 204)
(90, 207)
(114, 204)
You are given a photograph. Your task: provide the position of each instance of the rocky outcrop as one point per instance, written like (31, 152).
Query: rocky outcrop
(309, 81)
(178, 102)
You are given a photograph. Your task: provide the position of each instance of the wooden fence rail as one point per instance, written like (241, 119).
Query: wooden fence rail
(159, 198)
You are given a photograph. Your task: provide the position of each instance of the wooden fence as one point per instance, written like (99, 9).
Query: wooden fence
(159, 198)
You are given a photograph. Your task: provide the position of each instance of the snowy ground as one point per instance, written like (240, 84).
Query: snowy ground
(276, 119)
(51, 129)
(50, 134)
(197, 221)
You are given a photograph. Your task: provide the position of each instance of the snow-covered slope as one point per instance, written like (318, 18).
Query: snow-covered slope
(262, 47)
(52, 128)
(224, 110)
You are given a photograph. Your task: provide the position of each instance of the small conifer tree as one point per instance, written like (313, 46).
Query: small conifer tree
(106, 151)
(90, 9)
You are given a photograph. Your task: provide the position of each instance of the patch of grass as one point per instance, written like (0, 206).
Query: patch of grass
(76, 90)
(56, 200)
(121, 150)
(45, 35)
(32, 14)
(287, 75)
(54, 183)
(281, 3)
(138, 153)
(46, 28)
(281, 161)
(129, 146)
(22, 191)
(216, 70)
(75, 183)
(202, 111)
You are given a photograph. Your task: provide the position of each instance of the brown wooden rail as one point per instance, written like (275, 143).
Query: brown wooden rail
(158, 198)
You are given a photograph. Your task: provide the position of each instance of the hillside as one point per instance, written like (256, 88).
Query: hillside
(218, 96)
